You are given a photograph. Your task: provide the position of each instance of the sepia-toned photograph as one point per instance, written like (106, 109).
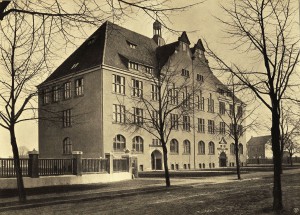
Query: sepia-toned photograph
(150, 107)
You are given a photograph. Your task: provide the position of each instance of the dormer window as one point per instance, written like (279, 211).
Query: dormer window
(185, 73)
(131, 45)
(200, 77)
(133, 65)
(74, 65)
(149, 70)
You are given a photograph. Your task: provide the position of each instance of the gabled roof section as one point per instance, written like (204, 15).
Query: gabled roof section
(88, 55)
(163, 53)
(184, 38)
(260, 140)
(118, 51)
(199, 45)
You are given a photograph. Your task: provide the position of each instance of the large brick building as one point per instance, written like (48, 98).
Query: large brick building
(82, 103)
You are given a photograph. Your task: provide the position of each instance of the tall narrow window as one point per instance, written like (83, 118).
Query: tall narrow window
(118, 84)
(201, 101)
(211, 127)
(56, 93)
(46, 96)
(119, 113)
(173, 95)
(241, 149)
(239, 111)
(222, 108)
(186, 147)
(201, 148)
(210, 104)
(138, 116)
(211, 148)
(186, 123)
(138, 144)
(201, 125)
(155, 117)
(174, 146)
(67, 122)
(67, 90)
(174, 121)
(67, 146)
(154, 92)
(231, 110)
(222, 128)
(79, 87)
(119, 143)
(137, 88)
(232, 151)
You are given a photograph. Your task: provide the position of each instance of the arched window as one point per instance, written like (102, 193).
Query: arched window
(186, 147)
(211, 148)
(201, 148)
(241, 149)
(119, 143)
(174, 146)
(67, 146)
(138, 144)
(232, 149)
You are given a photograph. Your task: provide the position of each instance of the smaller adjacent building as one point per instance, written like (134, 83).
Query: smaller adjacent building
(260, 147)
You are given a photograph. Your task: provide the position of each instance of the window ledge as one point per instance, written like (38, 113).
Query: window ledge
(186, 153)
(174, 153)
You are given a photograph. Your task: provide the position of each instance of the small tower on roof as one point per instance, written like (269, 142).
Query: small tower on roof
(157, 33)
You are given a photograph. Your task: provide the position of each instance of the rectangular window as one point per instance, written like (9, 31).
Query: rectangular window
(200, 78)
(201, 125)
(156, 142)
(185, 73)
(231, 128)
(137, 88)
(173, 95)
(67, 90)
(239, 111)
(155, 117)
(79, 87)
(222, 128)
(137, 116)
(67, 118)
(46, 96)
(118, 84)
(222, 108)
(186, 123)
(210, 104)
(154, 92)
(211, 127)
(231, 111)
(149, 70)
(174, 121)
(186, 97)
(119, 113)
(133, 65)
(56, 93)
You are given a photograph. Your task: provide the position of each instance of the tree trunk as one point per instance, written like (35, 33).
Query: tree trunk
(291, 160)
(20, 183)
(167, 175)
(275, 132)
(237, 160)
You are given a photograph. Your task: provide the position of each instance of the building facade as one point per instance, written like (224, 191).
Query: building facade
(83, 103)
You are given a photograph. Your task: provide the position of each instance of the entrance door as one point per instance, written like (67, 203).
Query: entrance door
(223, 159)
(156, 160)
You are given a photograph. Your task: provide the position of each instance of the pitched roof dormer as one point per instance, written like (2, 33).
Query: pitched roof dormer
(199, 45)
(184, 38)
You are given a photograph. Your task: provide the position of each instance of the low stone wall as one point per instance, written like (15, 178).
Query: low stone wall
(44, 181)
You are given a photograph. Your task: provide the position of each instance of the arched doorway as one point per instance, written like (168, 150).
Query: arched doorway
(156, 160)
(223, 159)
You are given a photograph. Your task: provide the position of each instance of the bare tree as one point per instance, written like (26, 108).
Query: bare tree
(32, 33)
(239, 121)
(23, 151)
(264, 28)
(167, 106)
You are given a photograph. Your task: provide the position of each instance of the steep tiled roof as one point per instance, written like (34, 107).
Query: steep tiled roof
(260, 140)
(164, 52)
(184, 38)
(88, 55)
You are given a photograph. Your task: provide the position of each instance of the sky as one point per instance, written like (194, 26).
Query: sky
(198, 22)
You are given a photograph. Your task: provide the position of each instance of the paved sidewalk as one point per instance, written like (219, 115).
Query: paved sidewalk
(77, 193)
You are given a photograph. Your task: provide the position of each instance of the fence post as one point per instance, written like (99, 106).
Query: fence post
(33, 164)
(110, 162)
(77, 162)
